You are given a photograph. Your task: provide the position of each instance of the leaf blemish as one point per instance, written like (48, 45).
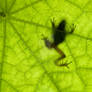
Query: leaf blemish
(2, 14)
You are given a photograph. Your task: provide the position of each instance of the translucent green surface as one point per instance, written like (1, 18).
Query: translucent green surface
(26, 65)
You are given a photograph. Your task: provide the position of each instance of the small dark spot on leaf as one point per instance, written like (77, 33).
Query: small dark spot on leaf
(2, 14)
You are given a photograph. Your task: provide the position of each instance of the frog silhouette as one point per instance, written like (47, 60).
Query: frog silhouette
(59, 34)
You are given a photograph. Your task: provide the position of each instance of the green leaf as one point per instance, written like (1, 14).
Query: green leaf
(26, 65)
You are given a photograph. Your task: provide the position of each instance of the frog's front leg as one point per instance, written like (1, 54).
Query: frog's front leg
(53, 24)
(72, 29)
